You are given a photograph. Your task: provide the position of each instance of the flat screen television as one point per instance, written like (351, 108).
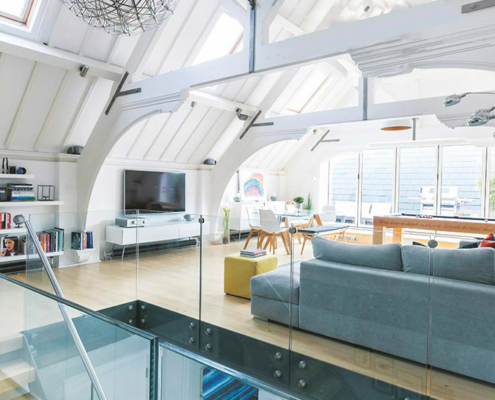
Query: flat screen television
(149, 191)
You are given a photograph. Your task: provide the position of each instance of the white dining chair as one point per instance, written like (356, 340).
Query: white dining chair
(328, 214)
(254, 224)
(271, 230)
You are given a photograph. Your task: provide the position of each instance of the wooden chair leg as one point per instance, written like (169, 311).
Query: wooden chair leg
(343, 237)
(304, 244)
(268, 241)
(274, 243)
(285, 242)
(248, 239)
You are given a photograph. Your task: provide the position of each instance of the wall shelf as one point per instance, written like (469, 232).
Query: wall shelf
(13, 231)
(24, 257)
(30, 203)
(16, 176)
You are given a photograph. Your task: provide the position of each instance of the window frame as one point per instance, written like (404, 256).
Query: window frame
(25, 19)
(486, 175)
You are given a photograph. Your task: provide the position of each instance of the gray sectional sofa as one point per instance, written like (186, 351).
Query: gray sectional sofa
(384, 297)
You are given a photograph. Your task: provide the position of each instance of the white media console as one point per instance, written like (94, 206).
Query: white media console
(154, 233)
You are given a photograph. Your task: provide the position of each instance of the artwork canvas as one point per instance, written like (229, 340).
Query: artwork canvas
(252, 185)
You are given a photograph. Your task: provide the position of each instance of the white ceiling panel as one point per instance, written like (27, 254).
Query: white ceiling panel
(148, 135)
(64, 109)
(35, 106)
(15, 74)
(194, 118)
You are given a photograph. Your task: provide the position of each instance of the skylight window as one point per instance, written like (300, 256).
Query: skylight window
(224, 39)
(16, 10)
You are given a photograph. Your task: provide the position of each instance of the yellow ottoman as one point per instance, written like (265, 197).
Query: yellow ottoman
(238, 272)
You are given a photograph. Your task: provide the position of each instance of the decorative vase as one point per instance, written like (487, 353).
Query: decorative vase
(226, 233)
(298, 207)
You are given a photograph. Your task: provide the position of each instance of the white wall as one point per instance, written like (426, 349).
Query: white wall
(273, 185)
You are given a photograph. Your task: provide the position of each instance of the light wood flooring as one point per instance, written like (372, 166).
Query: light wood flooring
(171, 280)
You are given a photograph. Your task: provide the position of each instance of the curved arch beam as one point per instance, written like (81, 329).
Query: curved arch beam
(238, 152)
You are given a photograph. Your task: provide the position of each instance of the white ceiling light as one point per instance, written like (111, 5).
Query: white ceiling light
(397, 125)
(126, 17)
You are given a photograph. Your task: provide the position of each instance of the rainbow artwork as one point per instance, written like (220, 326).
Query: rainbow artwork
(254, 187)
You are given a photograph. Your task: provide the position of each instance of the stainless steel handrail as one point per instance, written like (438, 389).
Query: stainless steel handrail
(63, 309)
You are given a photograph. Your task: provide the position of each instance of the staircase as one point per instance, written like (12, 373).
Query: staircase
(15, 373)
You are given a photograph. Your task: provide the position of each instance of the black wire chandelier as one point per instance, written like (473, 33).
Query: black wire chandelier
(126, 17)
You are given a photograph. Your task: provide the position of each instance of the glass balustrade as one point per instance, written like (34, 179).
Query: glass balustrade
(39, 353)
(332, 311)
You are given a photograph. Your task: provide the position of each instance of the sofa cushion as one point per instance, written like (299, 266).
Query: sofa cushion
(471, 265)
(387, 256)
(275, 284)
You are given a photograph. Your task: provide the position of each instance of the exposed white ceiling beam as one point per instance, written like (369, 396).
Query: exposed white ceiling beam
(220, 102)
(235, 10)
(58, 58)
(288, 25)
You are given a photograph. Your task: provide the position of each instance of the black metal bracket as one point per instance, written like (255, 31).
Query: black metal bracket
(119, 92)
(478, 5)
(253, 124)
(322, 140)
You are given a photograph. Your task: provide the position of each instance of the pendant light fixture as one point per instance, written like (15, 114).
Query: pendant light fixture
(126, 17)
(397, 125)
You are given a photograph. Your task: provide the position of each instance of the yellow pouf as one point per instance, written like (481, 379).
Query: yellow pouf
(238, 272)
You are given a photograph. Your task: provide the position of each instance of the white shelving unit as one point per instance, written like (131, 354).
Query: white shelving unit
(16, 176)
(30, 203)
(24, 257)
(13, 231)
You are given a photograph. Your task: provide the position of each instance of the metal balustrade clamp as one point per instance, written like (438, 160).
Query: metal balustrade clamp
(65, 314)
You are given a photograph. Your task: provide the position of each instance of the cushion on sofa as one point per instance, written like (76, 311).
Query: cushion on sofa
(387, 256)
(275, 284)
(470, 265)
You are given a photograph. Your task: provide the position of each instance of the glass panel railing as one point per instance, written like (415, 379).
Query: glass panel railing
(39, 354)
(236, 284)
(462, 341)
(94, 256)
(187, 375)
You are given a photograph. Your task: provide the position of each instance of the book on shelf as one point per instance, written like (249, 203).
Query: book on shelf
(5, 220)
(52, 241)
(81, 240)
(20, 192)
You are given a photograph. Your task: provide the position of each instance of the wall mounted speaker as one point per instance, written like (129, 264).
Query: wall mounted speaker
(77, 150)
(210, 161)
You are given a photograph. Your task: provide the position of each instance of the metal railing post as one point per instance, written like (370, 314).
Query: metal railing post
(63, 309)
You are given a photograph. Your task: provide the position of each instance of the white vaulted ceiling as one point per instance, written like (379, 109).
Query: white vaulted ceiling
(46, 107)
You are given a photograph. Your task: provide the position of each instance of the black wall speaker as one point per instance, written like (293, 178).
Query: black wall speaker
(77, 150)
(210, 161)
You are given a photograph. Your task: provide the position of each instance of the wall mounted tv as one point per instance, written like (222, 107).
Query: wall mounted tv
(152, 192)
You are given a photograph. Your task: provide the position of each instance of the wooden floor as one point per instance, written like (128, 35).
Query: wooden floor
(171, 280)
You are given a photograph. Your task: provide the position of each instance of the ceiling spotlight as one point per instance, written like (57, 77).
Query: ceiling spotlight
(454, 99)
(240, 115)
(481, 117)
(397, 125)
(83, 70)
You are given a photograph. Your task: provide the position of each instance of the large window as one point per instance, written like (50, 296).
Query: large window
(462, 169)
(378, 184)
(343, 188)
(417, 179)
(448, 180)
(16, 10)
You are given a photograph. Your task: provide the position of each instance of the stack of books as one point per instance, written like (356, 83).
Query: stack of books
(253, 253)
(81, 240)
(52, 241)
(20, 192)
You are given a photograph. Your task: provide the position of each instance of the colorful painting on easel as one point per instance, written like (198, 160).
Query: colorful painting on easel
(253, 187)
